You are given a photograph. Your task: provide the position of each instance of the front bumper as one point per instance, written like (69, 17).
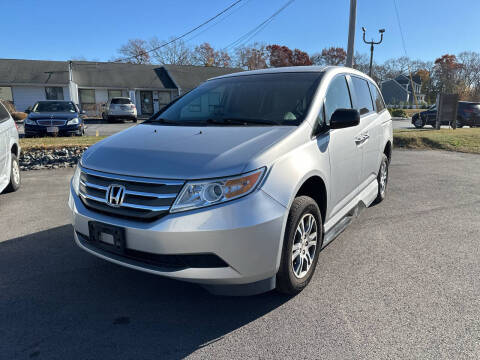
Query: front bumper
(245, 233)
(40, 130)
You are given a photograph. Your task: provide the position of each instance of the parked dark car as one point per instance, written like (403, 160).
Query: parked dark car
(468, 114)
(54, 117)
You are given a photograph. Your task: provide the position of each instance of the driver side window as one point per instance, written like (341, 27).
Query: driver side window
(338, 97)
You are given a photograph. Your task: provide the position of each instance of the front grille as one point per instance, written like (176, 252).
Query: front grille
(163, 261)
(145, 198)
(51, 122)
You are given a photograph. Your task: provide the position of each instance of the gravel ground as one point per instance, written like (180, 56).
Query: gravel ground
(399, 283)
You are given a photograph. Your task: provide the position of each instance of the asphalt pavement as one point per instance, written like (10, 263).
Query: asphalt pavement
(400, 283)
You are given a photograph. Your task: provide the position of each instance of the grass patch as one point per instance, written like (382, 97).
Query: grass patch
(462, 140)
(58, 142)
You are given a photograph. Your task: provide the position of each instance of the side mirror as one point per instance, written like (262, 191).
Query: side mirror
(343, 118)
(28, 110)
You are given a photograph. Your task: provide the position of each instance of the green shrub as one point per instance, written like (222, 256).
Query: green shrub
(398, 113)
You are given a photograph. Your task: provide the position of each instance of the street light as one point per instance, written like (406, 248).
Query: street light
(381, 31)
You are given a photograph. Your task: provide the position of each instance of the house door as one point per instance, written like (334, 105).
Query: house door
(146, 102)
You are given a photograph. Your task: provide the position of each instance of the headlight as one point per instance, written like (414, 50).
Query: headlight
(198, 194)
(73, 121)
(76, 179)
(30, 122)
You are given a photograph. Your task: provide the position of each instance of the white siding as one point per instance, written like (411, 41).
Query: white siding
(25, 96)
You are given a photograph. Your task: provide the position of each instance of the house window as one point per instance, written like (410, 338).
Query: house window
(54, 93)
(87, 96)
(163, 99)
(6, 93)
(114, 93)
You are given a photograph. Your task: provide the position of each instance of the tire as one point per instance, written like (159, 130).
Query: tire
(15, 180)
(382, 179)
(104, 116)
(419, 123)
(135, 120)
(295, 273)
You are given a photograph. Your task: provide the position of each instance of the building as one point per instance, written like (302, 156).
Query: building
(399, 90)
(91, 84)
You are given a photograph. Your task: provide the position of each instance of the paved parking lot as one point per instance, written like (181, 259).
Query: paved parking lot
(400, 282)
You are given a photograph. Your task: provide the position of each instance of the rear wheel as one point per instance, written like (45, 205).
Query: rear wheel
(301, 246)
(14, 175)
(134, 120)
(382, 179)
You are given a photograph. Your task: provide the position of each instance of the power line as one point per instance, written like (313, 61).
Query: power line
(249, 35)
(400, 27)
(218, 21)
(183, 35)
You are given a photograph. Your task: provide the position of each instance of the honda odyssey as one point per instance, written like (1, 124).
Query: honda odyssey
(238, 184)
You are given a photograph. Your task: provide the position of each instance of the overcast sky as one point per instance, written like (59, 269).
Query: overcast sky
(95, 29)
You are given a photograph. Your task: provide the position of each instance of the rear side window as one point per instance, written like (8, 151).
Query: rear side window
(364, 102)
(338, 97)
(4, 116)
(377, 98)
(121, 101)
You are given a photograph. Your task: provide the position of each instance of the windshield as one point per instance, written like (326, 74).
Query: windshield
(54, 106)
(270, 99)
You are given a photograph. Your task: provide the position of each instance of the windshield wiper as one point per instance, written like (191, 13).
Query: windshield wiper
(241, 121)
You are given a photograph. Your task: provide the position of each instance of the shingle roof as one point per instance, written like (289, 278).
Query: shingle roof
(108, 74)
(189, 76)
(14, 71)
(117, 75)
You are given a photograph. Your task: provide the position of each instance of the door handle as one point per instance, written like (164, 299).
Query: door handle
(360, 139)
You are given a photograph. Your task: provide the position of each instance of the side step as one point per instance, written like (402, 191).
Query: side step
(338, 228)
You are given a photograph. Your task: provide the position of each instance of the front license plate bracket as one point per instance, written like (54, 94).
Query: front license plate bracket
(96, 229)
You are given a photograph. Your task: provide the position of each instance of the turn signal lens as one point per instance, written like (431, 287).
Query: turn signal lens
(198, 194)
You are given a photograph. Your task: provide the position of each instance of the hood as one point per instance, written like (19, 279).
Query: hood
(52, 115)
(181, 152)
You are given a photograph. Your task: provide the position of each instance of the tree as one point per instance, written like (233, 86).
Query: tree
(470, 75)
(204, 54)
(330, 56)
(300, 58)
(252, 57)
(446, 73)
(177, 52)
(280, 56)
(135, 52)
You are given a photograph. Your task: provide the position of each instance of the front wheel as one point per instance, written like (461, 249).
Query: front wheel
(301, 246)
(382, 179)
(419, 122)
(14, 184)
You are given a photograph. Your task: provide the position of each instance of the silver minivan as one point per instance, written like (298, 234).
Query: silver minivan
(9, 152)
(240, 183)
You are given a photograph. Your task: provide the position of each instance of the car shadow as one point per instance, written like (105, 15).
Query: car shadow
(60, 302)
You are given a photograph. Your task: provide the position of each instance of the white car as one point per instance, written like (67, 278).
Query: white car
(120, 108)
(9, 152)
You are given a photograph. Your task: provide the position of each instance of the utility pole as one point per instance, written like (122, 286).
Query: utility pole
(372, 43)
(351, 32)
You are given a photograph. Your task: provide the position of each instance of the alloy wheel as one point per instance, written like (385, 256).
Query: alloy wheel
(304, 245)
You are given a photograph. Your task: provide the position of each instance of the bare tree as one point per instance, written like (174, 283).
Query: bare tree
(204, 54)
(135, 52)
(252, 57)
(176, 52)
(330, 56)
